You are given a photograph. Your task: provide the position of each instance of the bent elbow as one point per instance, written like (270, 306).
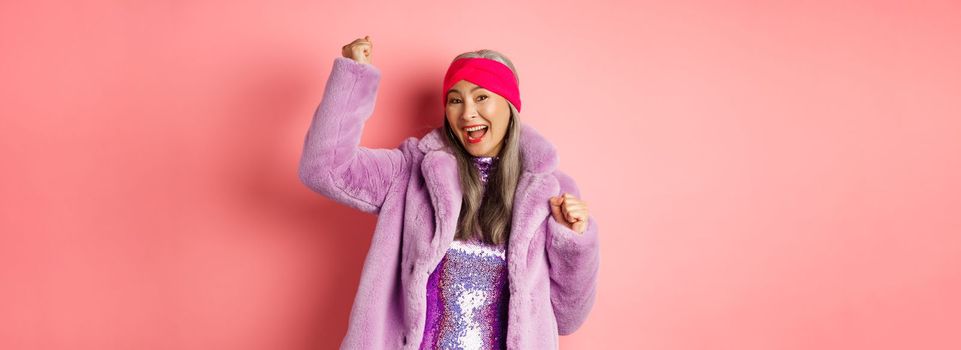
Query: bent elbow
(312, 175)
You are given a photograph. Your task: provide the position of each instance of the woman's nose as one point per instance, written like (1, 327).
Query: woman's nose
(470, 111)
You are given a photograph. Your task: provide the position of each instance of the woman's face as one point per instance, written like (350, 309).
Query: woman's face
(470, 106)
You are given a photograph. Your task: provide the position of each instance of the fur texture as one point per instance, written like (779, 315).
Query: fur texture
(415, 192)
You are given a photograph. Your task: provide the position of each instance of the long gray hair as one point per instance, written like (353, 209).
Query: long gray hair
(488, 214)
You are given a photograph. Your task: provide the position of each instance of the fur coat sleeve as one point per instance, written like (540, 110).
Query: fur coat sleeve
(574, 260)
(333, 164)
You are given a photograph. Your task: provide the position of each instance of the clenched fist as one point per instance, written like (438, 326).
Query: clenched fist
(570, 212)
(358, 50)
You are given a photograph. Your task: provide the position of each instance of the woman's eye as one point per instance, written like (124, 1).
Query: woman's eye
(482, 96)
(453, 100)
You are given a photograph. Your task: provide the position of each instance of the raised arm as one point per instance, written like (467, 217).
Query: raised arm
(333, 163)
(574, 259)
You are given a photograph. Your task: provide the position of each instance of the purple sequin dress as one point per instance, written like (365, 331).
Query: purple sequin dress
(467, 294)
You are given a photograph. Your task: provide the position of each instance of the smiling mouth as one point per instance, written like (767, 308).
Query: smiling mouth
(476, 134)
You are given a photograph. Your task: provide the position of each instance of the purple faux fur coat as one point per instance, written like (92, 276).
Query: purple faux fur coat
(415, 191)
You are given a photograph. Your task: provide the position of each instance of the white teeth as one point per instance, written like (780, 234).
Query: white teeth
(479, 127)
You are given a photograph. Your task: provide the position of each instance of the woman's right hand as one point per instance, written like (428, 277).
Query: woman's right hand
(358, 50)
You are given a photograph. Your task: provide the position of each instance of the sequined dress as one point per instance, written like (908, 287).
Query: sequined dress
(467, 293)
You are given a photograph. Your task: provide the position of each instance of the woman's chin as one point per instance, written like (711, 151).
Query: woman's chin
(476, 150)
(480, 149)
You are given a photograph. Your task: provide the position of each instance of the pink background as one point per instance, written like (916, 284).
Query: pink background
(767, 176)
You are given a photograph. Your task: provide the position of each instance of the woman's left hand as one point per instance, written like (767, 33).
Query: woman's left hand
(570, 212)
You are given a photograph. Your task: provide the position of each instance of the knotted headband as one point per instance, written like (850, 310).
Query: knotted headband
(489, 74)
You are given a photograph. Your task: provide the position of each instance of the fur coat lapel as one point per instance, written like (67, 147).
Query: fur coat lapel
(439, 168)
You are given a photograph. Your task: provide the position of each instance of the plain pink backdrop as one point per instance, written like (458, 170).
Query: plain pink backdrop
(768, 175)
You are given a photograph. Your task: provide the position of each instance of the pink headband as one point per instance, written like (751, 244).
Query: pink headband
(489, 74)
